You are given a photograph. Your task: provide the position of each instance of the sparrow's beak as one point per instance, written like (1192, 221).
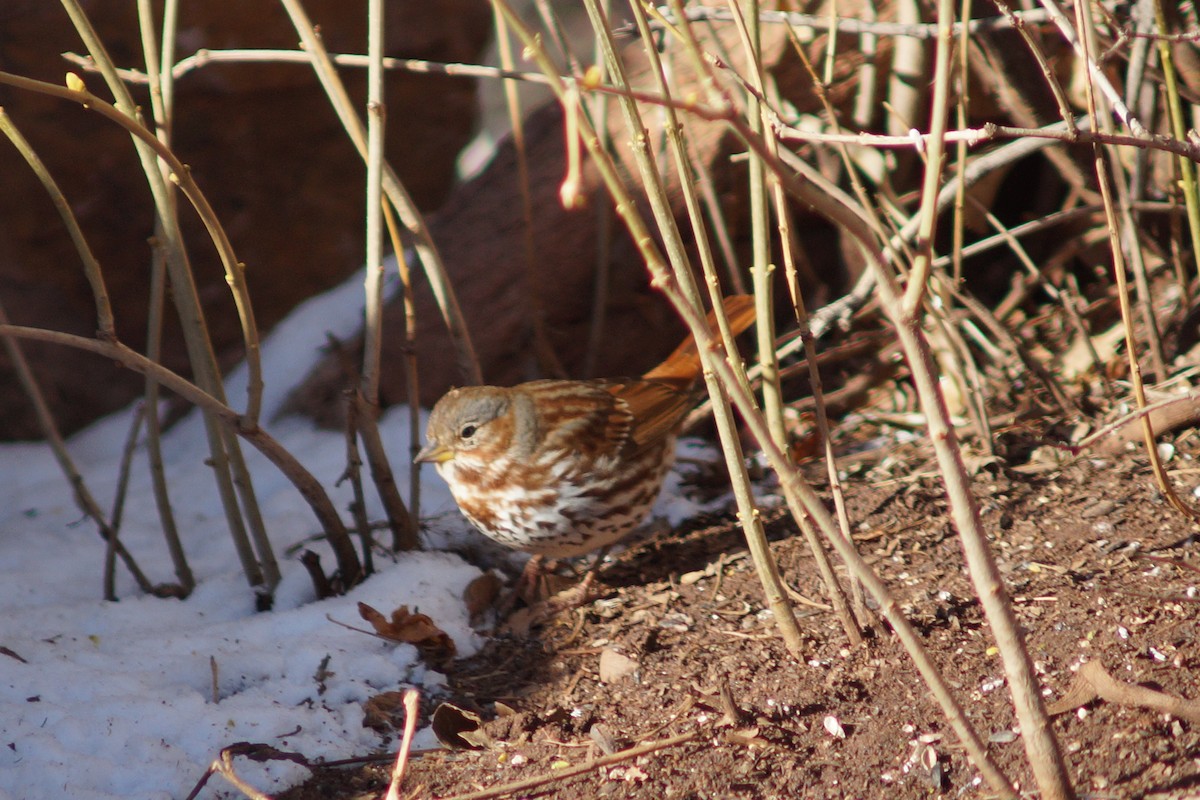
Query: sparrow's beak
(435, 453)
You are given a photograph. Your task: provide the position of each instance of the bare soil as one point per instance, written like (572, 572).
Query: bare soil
(1097, 565)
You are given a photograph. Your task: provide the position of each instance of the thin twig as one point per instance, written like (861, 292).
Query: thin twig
(410, 216)
(579, 769)
(411, 697)
(850, 25)
(796, 490)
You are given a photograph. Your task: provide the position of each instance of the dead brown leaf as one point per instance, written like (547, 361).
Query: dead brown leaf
(411, 628)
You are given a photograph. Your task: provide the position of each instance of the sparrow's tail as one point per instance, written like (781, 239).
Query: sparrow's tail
(685, 364)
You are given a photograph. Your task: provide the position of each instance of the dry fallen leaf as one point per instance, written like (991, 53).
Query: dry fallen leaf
(614, 666)
(409, 628)
(457, 728)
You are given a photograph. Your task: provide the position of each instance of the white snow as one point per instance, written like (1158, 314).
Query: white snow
(115, 700)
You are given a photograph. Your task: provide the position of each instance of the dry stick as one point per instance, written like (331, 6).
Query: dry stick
(973, 136)
(856, 26)
(1093, 682)
(223, 765)
(403, 527)
(762, 271)
(955, 349)
(257, 752)
(214, 672)
(967, 176)
(958, 365)
(547, 359)
(160, 102)
(976, 169)
(686, 165)
(234, 270)
(1060, 96)
(652, 184)
(906, 82)
(224, 768)
(1095, 74)
(808, 341)
(435, 270)
(83, 497)
(720, 228)
(1139, 92)
(918, 279)
(29, 382)
(411, 697)
(764, 562)
(1135, 369)
(126, 465)
(1165, 416)
(1011, 237)
(411, 379)
(857, 596)
(400, 519)
(166, 83)
(960, 152)
(1142, 94)
(1187, 170)
(1015, 98)
(1133, 246)
(808, 334)
(550, 23)
(229, 468)
(376, 113)
(1127, 192)
(579, 769)
(985, 133)
(154, 453)
(1039, 741)
(974, 544)
(1040, 746)
(366, 399)
(300, 477)
(118, 508)
(353, 473)
(702, 174)
(604, 222)
(204, 57)
(798, 493)
(866, 98)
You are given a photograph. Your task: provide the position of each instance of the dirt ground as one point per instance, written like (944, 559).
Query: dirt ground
(1099, 568)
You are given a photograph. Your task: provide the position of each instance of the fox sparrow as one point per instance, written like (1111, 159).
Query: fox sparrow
(560, 468)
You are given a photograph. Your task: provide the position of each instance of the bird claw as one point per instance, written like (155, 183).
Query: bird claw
(545, 595)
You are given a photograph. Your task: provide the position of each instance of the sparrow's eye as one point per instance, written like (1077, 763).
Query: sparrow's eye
(467, 431)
